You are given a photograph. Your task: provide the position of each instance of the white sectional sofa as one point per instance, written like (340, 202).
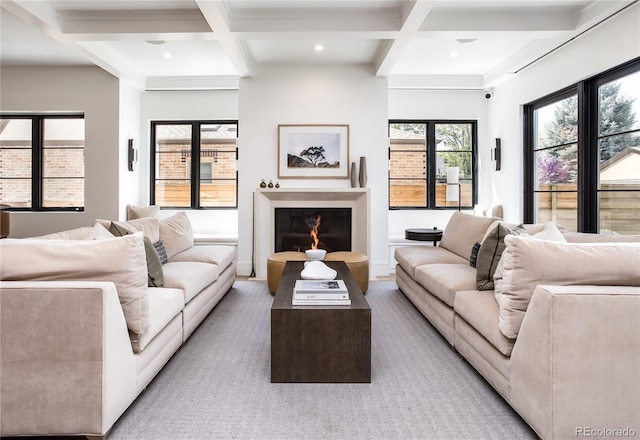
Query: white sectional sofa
(558, 337)
(83, 334)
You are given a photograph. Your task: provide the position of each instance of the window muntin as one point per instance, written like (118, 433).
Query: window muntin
(42, 159)
(420, 153)
(209, 181)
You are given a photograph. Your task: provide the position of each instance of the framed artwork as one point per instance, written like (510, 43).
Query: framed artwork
(313, 151)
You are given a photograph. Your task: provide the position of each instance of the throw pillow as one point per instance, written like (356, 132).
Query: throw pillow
(529, 262)
(490, 252)
(176, 233)
(149, 226)
(161, 251)
(550, 232)
(473, 258)
(154, 266)
(120, 260)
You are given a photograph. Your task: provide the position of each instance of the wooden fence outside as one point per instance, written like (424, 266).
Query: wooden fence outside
(211, 195)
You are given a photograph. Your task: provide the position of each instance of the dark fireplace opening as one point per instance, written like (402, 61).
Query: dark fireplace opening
(293, 227)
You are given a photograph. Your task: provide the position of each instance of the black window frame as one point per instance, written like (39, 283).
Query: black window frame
(588, 148)
(37, 161)
(431, 155)
(195, 161)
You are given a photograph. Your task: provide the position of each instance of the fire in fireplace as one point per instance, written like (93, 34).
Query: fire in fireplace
(299, 229)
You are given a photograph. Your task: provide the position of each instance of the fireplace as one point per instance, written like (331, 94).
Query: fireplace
(267, 200)
(294, 228)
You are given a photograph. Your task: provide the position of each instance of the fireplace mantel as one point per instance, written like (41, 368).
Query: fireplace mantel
(266, 200)
(314, 194)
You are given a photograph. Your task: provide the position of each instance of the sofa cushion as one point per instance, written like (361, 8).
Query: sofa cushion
(191, 277)
(120, 260)
(222, 256)
(529, 262)
(176, 233)
(479, 310)
(582, 237)
(490, 251)
(463, 231)
(411, 257)
(444, 280)
(164, 305)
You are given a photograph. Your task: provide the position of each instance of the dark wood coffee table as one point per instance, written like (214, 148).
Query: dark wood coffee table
(320, 343)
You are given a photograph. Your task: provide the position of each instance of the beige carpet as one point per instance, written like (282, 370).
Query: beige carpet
(218, 385)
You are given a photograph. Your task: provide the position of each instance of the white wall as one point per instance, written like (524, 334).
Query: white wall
(313, 95)
(610, 44)
(129, 129)
(88, 90)
(188, 105)
(441, 104)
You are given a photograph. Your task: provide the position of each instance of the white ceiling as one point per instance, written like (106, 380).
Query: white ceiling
(215, 42)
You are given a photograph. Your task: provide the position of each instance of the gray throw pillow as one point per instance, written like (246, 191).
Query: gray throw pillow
(490, 252)
(154, 265)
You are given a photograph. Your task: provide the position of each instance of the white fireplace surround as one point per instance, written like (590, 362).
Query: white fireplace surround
(267, 200)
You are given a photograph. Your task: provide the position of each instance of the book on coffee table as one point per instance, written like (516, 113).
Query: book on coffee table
(316, 292)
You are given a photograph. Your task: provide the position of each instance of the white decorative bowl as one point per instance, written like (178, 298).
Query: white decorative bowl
(315, 254)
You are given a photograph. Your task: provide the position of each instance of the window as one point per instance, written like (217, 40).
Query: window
(582, 154)
(42, 162)
(194, 164)
(420, 152)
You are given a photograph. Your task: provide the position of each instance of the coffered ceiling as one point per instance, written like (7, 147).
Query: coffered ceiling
(205, 43)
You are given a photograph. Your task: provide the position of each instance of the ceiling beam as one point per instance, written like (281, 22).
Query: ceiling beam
(217, 18)
(413, 15)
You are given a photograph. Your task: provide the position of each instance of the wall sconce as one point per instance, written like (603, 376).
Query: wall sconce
(496, 154)
(132, 155)
(453, 179)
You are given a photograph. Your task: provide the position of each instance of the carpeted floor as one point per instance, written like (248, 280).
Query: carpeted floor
(218, 385)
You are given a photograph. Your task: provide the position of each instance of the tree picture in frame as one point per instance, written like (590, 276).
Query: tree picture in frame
(313, 151)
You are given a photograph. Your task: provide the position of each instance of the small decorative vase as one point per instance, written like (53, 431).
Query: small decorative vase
(354, 175)
(363, 172)
(263, 184)
(270, 185)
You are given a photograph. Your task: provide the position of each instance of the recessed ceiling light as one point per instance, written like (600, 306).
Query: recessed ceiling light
(156, 42)
(167, 55)
(318, 47)
(466, 40)
(454, 54)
